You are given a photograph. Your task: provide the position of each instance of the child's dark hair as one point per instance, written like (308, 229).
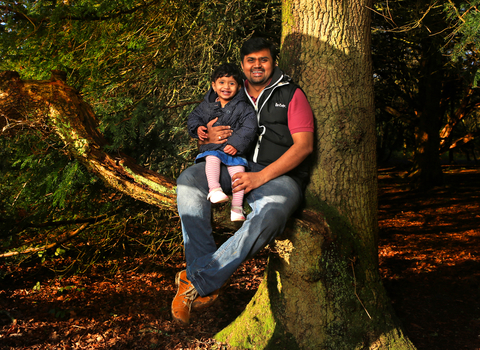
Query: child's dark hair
(228, 70)
(257, 44)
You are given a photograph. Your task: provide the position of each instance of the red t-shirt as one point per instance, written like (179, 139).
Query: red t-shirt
(300, 115)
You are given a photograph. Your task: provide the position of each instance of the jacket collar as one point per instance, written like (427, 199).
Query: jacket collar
(277, 77)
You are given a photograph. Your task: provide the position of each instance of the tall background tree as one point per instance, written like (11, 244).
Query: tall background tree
(425, 68)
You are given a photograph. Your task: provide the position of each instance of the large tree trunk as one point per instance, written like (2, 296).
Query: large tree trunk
(322, 288)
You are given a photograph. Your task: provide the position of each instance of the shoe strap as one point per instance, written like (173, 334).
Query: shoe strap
(238, 210)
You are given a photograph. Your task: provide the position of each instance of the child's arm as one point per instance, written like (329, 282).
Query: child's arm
(196, 120)
(229, 149)
(202, 133)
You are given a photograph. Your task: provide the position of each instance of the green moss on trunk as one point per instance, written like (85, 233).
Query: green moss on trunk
(256, 327)
(321, 291)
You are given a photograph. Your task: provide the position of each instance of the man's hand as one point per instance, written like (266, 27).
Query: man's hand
(229, 149)
(301, 148)
(247, 181)
(216, 134)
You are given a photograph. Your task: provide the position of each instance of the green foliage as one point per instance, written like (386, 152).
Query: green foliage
(36, 179)
(143, 66)
(41, 187)
(464, 17)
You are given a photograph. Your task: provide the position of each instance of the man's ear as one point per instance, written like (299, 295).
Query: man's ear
(213, 86)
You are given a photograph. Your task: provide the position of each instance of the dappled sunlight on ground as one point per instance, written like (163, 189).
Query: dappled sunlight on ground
(429, 252)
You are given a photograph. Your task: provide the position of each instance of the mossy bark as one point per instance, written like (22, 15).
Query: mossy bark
(317, 294)
(322, 289)
(54, 106)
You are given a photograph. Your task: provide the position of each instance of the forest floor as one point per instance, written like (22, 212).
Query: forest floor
(429, 253)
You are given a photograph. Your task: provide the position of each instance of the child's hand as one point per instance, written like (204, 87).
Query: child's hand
(202, 132)
(229, 149)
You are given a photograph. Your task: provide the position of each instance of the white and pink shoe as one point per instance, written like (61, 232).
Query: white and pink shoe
(237, 214)
(217, 196)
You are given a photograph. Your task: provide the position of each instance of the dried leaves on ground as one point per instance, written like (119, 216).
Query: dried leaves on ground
(429, 260)
(429, 254)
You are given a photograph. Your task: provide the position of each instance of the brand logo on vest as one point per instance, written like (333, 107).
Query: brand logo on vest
(280, 105)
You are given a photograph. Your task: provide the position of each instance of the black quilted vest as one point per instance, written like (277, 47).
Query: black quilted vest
(272, 115)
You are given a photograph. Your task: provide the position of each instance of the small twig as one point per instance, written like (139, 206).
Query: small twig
(19, 193)
(81, 327)
(387, 18)
(90, 220)
(355, 290)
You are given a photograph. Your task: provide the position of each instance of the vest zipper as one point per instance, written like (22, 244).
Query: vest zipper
(257, 111)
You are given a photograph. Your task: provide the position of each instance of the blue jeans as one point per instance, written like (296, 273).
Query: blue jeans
(209, 267)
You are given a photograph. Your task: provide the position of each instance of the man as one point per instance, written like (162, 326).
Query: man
(273, 186)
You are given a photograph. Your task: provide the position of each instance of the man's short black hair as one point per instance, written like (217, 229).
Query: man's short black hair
(256, 44)
(228, 70)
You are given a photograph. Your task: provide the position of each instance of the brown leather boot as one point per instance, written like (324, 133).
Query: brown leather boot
(203, 302)
(186, 294)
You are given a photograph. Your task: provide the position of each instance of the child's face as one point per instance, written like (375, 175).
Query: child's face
(226, 88)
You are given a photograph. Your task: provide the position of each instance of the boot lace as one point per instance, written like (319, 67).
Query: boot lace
(190, 294)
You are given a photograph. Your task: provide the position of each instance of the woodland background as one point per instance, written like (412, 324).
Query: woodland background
(143, 66)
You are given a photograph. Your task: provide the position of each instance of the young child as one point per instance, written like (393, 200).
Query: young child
(226, 100)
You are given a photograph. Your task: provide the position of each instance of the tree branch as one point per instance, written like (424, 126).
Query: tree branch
(62, 240)
(460, 142)
(12, 10)
(62, 108)
(466, 107)
(91, 220)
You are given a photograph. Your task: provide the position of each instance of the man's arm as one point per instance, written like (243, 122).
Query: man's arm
(216, 134)
(293, 157)
(245, 132)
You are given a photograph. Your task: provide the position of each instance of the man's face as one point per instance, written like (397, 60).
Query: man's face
(258, 67)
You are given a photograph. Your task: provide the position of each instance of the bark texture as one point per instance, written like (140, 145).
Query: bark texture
(55, 106)
(322, 288)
